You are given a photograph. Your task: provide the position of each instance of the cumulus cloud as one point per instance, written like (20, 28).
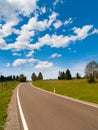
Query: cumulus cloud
(3, 45)
(61, 40)
(57, 24)
(10, 12)
(43, 9)
(16, 54)
(82, 33)
(10, 9)
(43, 65)
(19, 62)
(28, 31)
(55, 55)
(30, 54)
(28, 61)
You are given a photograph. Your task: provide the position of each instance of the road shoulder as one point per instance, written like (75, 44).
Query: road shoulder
(12, 121)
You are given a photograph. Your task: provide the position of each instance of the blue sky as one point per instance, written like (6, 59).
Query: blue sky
(47, 36)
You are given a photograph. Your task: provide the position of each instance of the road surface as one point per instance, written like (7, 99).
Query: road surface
(44, 111)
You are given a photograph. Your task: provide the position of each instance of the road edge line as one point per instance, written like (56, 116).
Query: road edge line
(69, 98)
(20, 111)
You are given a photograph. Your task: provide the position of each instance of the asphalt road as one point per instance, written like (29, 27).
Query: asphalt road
(44, 111)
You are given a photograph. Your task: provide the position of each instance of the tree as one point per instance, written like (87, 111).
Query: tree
(22, 78)
(34, 77)
(91, 71)
(17, 78)
(61, 75)
(91, 68)
(14, 77)
(91, 79)
(78, 76)
(40, 76)
(68, 74)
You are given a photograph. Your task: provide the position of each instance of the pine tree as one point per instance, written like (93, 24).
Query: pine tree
(34, 77)
(78, 76)
(61, 75)
(68, 74)
(40, 76)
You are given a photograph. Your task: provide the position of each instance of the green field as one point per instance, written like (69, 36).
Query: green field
(79, 89)
(5, 94)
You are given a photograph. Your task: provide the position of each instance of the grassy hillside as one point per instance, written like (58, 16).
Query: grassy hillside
(79, 89)
(5, 94)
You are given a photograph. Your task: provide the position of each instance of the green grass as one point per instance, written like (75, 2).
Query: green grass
(79, 89)
(5, 94)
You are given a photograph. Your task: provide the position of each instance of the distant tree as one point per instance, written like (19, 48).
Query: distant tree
(2, 78)
(78, 76)
(40, 76)
(14, 77)
(61, 75)
(17, 78)
(22, 78)
(91, 71)
(34, 77)
(68, 75)
(91, 68)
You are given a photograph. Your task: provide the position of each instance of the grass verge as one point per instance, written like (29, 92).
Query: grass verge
(5, 94)
(79, 89)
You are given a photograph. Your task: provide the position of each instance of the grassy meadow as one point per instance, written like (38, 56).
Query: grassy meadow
(79, 89)
(5, 94)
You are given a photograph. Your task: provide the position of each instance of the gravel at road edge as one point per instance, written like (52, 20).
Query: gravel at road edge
(12, 121)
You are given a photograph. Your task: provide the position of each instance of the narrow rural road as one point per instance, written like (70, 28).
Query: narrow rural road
(44, 111)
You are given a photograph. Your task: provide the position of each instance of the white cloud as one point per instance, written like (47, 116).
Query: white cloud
(19, 62)
(54, 41)
(57, 24)
(3, 45)
(22, 41)
(10, 9)
(55, 55)
(30, 54)
(63, 41)
(16, 54)
(82, 33)
(52, 18)
(6, 29)
(95, 31)
(69, 21)
(56, 2)
(28, 62)
(43, 9)
(28, 30)
(43, 65)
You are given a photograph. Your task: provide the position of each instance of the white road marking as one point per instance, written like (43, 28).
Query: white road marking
(69, 98)
(21, 112)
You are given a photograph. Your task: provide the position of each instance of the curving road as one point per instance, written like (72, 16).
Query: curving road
(44, 111)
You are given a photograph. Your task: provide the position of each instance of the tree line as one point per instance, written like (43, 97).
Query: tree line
(9, 78)
(67, 75)
(20, 78)
(91, 74)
